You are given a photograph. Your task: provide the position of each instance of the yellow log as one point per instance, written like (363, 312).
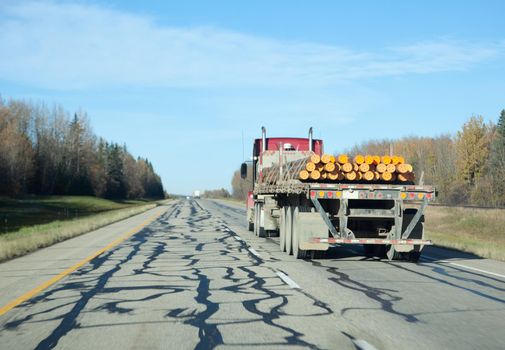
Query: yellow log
(333, 175)
(326, 158)
(381, 168)
(369, 159)
(376, 160)
(324, 176)
(401, 160)
(364, 167)
(368, 176)
(386, 159)
(409, 168)
(342, 159)
(406, 177)
(310, 166)
(315, 175)
(351, 176)
(315, 158)
(390, 168)
(402, 168)
(333, 160)
(355, 167)
(387, 176)
(403, 177)
(347, 167)
(304, 175)
(329, 167)
(377, 175)
(359, 176)
(395, 160)
(359, 159)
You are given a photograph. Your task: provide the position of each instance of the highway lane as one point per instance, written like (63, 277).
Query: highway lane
(195, 278)
(450, 300)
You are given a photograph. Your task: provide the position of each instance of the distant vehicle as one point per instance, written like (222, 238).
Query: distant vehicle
(310, 215)
(188, 197)
(196, 194)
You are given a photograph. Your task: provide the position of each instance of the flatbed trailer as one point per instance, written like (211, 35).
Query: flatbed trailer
(387, 219)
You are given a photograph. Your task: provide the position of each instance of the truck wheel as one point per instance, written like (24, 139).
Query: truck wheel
(256, 219)
(369, 250)
(261, 214)
(289, 230)
(413, 256)
(250, 226)
(297, 252)
(282, 230)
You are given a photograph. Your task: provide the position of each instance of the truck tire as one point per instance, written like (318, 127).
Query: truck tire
(261, 229)
(250, 226)
(297, 252)
(258, 229)
(282, 230)
(369, 250)
(414, 256)
(256, 219)
(289, 230)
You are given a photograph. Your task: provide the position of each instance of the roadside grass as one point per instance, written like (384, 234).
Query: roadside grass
(233, 200)
(478, 231)
(35, 210)
(31, 238)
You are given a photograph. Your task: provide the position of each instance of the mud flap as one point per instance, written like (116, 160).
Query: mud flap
(311, 225)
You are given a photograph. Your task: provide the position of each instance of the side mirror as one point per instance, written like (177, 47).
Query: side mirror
(243, 171)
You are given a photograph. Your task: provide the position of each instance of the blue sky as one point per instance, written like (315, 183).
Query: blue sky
(180, 82)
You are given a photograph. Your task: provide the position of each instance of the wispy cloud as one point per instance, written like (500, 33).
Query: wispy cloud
(65, 46)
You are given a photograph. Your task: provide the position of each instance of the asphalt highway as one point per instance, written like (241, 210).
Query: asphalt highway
(189, 275)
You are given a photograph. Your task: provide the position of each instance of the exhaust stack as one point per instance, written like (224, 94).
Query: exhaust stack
(310, 139)
(264, 138)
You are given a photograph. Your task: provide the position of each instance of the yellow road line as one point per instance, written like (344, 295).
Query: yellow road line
(40, 288)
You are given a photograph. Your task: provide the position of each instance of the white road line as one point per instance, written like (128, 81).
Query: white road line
(363, 344)
(237, 238)
(463, 266)
(253, 252)
(287, 280)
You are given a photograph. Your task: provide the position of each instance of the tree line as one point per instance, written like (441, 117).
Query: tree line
(47, 151)
(467, 168)
(217, 193)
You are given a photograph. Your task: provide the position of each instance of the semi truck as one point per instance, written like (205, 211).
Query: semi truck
(387, 219)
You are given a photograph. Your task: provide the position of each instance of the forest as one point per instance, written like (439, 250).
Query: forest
(467, 168)
(49, 151)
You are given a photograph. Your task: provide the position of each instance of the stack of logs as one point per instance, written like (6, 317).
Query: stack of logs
(361, 168)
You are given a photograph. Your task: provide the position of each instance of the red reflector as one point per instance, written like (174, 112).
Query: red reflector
(412, 195)
(313, 194)
(428, 195)
(329, 194)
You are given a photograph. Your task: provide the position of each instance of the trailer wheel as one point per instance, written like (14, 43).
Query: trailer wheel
(414, 256)
(289, 230)
(297, 252)
(369, 250)
(258, 229)
(282, 230)
(256, 219)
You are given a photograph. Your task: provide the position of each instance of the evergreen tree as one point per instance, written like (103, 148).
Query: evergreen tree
(496, 165)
